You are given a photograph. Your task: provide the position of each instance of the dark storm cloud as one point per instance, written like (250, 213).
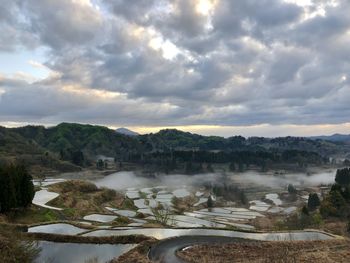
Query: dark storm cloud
(176, 63)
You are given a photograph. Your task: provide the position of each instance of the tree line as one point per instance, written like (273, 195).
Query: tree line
(192, 161)
(17, 189)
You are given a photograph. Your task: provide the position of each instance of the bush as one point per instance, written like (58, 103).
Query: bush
(162, 215)
(128, 204)
(327, 209)
(76, 186)
(86, 187)
(108, 194)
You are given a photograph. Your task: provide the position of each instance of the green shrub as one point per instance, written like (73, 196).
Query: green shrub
(108, 194)
(128, 204)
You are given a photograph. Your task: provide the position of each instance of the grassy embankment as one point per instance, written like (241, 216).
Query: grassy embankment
(291, 251)
(130, 239)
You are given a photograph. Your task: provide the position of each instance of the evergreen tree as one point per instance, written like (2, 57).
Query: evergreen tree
(313, 201)
(240, 167)
(305, 210)
(292, 189)
(17, 189)
(78, 158)
(342, 176)
(210, 202)
(27, 188)
(232, 167)
(100, 164)
(8, 191)
(210, 168)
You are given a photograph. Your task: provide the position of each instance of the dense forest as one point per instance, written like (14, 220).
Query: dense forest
(66, 147)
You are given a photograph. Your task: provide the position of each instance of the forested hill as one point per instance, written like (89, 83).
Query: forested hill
(80, 144)
(177, 140)
(92, 140)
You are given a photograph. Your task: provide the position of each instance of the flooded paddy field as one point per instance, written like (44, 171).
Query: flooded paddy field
(183, 200)
(266, 195)
(162, 233)
(54, 252)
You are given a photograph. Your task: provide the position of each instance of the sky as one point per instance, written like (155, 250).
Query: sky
(213, 67)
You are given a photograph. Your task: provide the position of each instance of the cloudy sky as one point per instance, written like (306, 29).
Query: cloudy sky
(225, 67)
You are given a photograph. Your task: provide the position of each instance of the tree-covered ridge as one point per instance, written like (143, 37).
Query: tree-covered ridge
(102, 140)
(16, 148)
(172, 139)
(89, 138)
(80, 144)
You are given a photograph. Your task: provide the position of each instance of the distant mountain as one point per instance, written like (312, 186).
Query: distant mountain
(333, 138)
(126, 131)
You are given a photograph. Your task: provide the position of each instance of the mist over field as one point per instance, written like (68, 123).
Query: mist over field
(124, 180)
(323, 177)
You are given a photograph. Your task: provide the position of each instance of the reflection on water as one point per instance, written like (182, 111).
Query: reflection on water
(48, 181)
(161, 233)
(43, 196)
(79, 253)
(126, 213)
(180, 193)
(100, 218)
(64, 229)
(259, 206)
(274, 198)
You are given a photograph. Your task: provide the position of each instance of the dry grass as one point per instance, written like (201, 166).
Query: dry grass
(263, 252)
(336, 227)
(15, 247)
(81, 197)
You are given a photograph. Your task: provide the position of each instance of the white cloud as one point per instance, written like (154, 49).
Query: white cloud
(226, 63)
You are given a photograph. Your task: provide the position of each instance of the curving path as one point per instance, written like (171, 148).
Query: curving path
(165, 251)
